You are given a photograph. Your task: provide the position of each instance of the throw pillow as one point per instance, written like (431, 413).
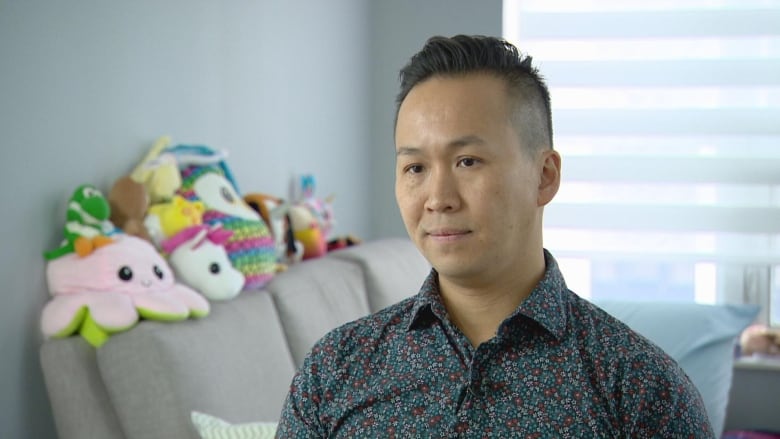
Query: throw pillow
(211, 427)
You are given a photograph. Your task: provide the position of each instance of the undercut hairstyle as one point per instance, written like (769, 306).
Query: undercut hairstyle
(465, 54)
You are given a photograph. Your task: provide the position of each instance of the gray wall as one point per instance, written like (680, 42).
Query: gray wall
(86, 87)
(399, 29)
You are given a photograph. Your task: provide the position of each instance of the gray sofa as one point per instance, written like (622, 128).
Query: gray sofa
(237, 363)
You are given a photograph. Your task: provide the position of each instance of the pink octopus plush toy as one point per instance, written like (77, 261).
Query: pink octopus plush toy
(111, 289)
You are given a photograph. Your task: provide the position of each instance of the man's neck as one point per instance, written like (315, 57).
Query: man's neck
(478, 309)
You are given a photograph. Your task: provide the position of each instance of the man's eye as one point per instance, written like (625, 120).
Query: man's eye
(467, 162)
(414, 169)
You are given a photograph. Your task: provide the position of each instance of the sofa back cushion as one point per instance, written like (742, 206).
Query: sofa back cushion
(393, 268)
(315, 296)
(233, 364)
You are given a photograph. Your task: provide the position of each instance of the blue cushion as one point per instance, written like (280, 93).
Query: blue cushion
(701, 338)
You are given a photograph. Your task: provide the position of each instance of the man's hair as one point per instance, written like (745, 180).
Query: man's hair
(464, 54)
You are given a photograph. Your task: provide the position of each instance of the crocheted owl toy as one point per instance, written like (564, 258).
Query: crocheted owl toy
(207, 178)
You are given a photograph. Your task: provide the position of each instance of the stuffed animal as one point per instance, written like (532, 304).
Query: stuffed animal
(321, 209)
(158, 172)
(207, 178)
(88, 226)
(306, 230)
(164, 220)
(107, 291)
(312, 221)
(199, 260)
(343, 242)
(275, 212)
(129, 202)
(761, 340)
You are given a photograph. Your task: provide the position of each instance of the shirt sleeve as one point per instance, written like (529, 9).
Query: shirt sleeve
(300, 417)
(657, 399)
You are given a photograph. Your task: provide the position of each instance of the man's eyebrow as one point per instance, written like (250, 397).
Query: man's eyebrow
(407, 150)
(457, 143)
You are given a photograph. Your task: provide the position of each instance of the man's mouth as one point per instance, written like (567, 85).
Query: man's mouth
(447, 233)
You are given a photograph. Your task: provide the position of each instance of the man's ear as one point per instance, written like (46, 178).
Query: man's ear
(550, 177)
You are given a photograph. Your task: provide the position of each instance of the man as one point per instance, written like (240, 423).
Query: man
(494, 345)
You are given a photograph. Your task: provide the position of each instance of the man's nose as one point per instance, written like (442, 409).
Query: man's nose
(443, 192)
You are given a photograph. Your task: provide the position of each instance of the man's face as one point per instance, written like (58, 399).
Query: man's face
(470, 196)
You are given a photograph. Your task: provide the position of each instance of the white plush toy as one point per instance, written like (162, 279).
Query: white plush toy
(200, 261)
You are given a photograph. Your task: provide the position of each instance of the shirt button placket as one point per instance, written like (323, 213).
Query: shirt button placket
(474, 378)
(481, 357)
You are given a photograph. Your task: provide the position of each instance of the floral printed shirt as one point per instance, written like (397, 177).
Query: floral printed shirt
(557, 367)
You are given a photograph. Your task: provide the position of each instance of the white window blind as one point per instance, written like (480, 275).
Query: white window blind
(667, 115)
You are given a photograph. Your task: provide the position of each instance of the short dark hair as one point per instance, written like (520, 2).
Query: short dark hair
(464, 54)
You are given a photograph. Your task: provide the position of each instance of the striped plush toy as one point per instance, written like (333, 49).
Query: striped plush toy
(206, 177)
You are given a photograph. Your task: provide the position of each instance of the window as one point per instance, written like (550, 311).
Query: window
(667, 115)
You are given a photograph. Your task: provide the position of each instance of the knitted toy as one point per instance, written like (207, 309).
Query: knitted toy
(87, 225)
(206, 177)
(107, 291)
(129, 202)
(199, 260)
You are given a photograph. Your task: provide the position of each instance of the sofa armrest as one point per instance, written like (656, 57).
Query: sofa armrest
(76, 392)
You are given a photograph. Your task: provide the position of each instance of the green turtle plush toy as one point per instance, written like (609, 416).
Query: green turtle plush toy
(87, 225)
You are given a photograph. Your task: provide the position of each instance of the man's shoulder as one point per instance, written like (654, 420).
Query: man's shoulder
(634, 371)
(366, 333)
(605, 332)
(614, 345)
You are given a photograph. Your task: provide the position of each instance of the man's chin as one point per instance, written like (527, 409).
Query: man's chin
(453, 268)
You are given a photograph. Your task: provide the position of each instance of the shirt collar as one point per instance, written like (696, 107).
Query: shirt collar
(546, 305)
(428, 305)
